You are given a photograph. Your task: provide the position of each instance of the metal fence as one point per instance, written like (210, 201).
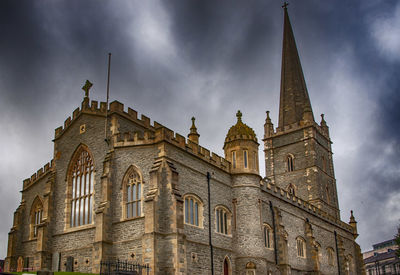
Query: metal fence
(123, 268)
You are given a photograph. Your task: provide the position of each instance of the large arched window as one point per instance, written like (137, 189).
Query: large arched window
(301, 247)
(36, 217)
(268, 236)
(133, 193)
(193, 210)
(81, 180)
(223, 220)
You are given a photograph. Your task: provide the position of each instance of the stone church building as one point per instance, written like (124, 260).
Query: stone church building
(121, 187)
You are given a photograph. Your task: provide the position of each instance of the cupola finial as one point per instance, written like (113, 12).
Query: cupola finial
(239, 116)
(193, 135)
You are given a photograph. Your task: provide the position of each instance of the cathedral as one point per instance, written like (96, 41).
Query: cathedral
(121, 187)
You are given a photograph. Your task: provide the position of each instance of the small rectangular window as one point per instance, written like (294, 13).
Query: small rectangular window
(245, 158)
(234, 159)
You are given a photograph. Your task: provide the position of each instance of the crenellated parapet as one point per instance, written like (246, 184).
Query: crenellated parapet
(42, 172)
(164, 134)
(322, 129)
(283, 194)
(153, 133)
(93, 108)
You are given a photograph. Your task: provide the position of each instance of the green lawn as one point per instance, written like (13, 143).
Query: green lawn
(56, 273)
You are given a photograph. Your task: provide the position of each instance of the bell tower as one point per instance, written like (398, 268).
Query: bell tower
(298, 155)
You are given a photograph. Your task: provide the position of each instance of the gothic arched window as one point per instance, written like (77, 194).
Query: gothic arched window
(81, 181)
(223, 220)
(268, 236)
(133, 193)
(193, 210)
(290, 163)
(36, 217)
(301, 247)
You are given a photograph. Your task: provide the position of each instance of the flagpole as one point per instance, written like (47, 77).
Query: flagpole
(108, 96)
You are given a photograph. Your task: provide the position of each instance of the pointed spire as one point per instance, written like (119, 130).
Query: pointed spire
(295, 105)
(193, 135)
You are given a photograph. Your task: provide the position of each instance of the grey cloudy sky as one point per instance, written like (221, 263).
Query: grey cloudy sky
(176, 59)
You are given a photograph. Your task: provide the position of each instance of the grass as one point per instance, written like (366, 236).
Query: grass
(55, 273)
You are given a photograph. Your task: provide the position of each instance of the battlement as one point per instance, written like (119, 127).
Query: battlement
(93, 108)
(48, 167)
(164, 134)
(292, 199)
(152, 133)
(299, 125)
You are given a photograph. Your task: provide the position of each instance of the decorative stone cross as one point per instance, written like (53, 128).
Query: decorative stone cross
(87, 87)
(239, 115)
(285, 4)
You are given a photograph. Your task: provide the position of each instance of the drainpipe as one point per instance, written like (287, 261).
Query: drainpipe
(273, 224)
(337, 252)
(209, 223)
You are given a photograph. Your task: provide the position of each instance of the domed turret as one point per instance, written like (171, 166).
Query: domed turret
(241, 148)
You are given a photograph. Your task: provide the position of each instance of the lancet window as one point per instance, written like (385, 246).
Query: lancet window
(36, 216)
(193, 210)
(223, 220)
(301, 247)
(133, 194)
(331, 259)
(245, 158)
(82, 188)
(290, 163)
(268, 236)
(234, 159)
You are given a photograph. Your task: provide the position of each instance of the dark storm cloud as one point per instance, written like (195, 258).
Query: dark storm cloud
(175, 59)
(215, 34)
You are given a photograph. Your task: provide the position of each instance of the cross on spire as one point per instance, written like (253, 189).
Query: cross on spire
(87, 87)
(285, 4)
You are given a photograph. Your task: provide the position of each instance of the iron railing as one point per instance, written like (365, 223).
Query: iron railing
(123, 268)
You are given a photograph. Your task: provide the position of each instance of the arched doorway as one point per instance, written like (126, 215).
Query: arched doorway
(20, 264)
(226, 267)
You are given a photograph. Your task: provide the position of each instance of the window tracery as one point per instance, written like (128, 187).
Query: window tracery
(36, 217)
(81, 179)
(133, 193)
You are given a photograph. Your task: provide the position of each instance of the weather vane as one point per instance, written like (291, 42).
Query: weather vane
(285, 4)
